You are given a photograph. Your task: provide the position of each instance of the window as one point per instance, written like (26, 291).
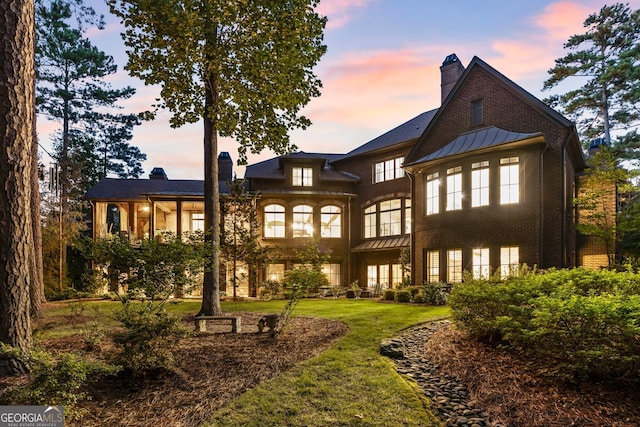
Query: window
(370, 222)
(274, 221)
(509, 180)
(454, 188)
(477, 112)
(396, 276)
(332, 271)
(433, 196)
(372, 275)
(480, 184)
(480, 263)
(197, 221)
(388, 170)
(330, 221)
(509, 261)
(302, 221)
(433, 266)
(407, 216)
(383, 276)
(275, 272)
(390, 217)
(454, 265)
(302, 177)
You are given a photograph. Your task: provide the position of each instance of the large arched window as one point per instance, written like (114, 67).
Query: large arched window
(330, 221)
(274, 225)
(303, 221)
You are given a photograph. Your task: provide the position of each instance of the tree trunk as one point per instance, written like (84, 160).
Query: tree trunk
(17, 104)
(37, 269)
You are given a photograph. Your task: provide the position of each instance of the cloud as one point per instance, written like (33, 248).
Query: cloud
(340, 12)
(559, 21)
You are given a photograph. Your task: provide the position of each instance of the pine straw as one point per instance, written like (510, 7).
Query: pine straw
(211, 370)
(516, 391)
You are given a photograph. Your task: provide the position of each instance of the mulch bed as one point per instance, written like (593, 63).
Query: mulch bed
(520, 391)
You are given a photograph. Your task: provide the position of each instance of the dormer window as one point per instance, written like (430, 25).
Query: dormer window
(302, 177)
(388, 170)
(477, 113)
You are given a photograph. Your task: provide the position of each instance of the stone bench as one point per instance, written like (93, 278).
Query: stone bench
(201, 322)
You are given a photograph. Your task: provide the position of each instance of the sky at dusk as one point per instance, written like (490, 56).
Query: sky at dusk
(380, 70)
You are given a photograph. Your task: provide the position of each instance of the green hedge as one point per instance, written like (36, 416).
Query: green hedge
(587, 322)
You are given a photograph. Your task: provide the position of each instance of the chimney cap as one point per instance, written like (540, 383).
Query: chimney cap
(450, 59)
(224, 155)
(158, 173)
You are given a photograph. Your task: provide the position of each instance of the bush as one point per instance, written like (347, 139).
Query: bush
(403, 296)
(389, 295)
(433, 293)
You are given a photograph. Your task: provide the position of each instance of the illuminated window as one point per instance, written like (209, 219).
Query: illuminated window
(509, 180)
(332, 271)
(197, 221)
(396, 276)
(509, 261)
(433, 194)
(372, 275)
(407, 216)
(388, 170)
(480, 184)
(275, 272)
(433, 266)
(370, 222)
(330, 221)
(454, 188)
(390, 217)
(302, 221)
(454, 265)
(302, 177)
(274, 225)
(480, 263)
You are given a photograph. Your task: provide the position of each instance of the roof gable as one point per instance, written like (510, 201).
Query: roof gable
(137, 189)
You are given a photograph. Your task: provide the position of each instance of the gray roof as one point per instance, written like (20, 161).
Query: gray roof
(407, 131)
(137, 189)
(477, 140)
(272, 168)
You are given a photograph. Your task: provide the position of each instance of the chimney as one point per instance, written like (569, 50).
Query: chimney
(158, 173)
(450, 71)
(225, 167)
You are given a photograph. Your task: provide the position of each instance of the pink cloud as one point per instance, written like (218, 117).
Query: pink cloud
(340, 12)
(561, 20)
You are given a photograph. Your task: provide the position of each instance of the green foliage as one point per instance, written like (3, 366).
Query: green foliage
(56, 380)
(149, 338)
(389, 295)
(584, 322)
(402, 295)
(434, 293)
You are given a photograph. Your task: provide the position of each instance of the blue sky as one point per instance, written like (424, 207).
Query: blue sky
(381, 69)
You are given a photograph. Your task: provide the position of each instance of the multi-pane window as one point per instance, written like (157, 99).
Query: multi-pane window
(509, 261)
(433, 194)
(454, 188)
(197, 221)
(302, 177)
(480, 263)
(274, 225)
(372, 275)
(383, 276)
(454, 265)
(477, 113)
(275, 273)
(390, 217)
(330, 221)
(396, 276)
(433, 266)
(303, 221)
(388, 170)
(407, 216)
(509, 180)
(480, 184)
(370, 226)
(332, 271)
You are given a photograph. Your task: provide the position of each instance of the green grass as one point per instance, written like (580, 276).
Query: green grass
(349, 384)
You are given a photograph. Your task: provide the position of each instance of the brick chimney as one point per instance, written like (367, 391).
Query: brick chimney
(158, 173)
(450, 71)
(225, 167)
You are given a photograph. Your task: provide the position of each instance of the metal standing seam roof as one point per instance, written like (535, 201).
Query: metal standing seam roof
(385, 243)
(477, 140)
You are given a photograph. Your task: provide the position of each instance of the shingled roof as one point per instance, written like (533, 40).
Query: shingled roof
(272, 168)
(137, 189)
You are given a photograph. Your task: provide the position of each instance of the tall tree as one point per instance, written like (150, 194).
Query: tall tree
(17, 103)
(244, 67)
(607, 59)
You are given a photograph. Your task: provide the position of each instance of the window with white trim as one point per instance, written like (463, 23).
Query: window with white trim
(480, 184)
(330, 221)
(302, 221)
(433, 193)
(509, 261)
(509, 180)
(454, 265)
(480, 267)
(274, 225)
(197, 221)
(433, 266)
(388, 170)
(454, 188)
(302, 177)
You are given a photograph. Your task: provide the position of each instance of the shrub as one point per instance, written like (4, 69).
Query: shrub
(389, 295)
(433, 293)
(403, 296)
